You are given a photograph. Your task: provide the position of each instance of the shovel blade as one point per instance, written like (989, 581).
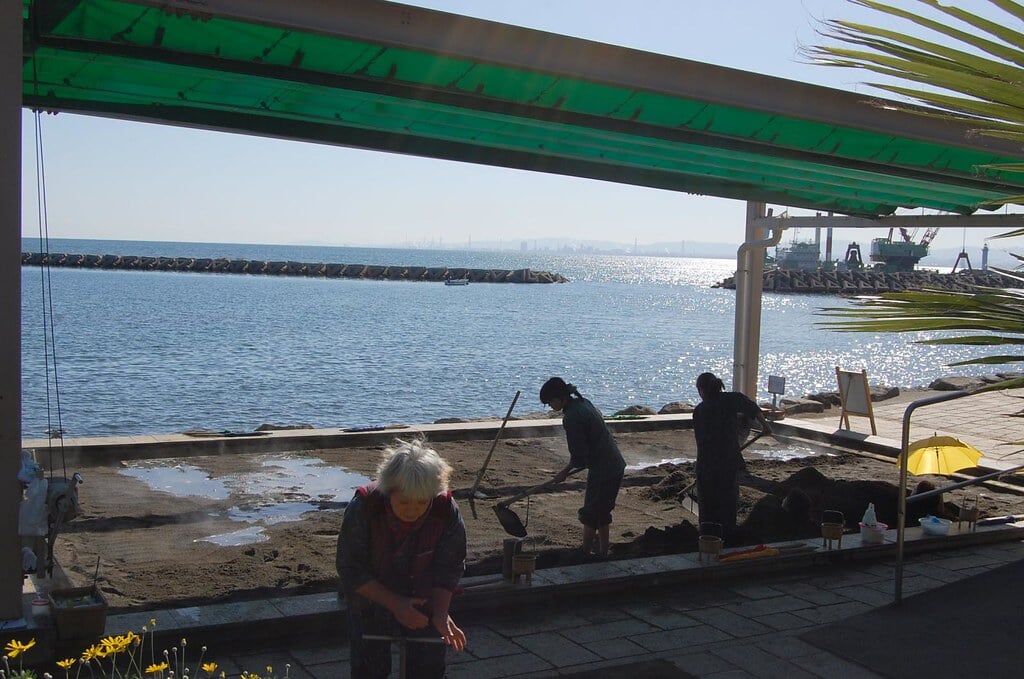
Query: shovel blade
(510, 521)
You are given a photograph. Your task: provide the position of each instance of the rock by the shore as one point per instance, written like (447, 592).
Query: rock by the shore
(826, 398)
(635, 411)
(675, 408)
(880, 393)
(283, 427)
(954, 383)
(794, 406)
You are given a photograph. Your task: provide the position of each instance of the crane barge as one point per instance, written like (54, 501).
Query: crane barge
(903, 254)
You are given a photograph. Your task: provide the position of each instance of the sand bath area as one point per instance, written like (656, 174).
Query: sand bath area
(219, 528)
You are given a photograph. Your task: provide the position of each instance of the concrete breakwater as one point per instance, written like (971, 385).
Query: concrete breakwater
(288, 268)
(873, 282)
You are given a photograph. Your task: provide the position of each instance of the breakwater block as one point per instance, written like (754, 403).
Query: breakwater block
(437, 274)
(875, 282)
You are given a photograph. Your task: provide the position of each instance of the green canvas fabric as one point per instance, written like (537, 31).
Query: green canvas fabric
(112, 57)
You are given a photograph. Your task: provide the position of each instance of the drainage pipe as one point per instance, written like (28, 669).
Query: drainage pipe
(749, 286)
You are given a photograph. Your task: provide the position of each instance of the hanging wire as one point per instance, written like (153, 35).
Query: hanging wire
(46, 283)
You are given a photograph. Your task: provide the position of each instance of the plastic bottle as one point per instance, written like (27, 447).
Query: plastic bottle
(869, 515)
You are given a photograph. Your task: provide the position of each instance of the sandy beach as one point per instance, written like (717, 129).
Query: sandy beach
(154, 549)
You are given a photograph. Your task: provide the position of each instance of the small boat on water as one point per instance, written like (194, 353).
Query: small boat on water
(456, 281)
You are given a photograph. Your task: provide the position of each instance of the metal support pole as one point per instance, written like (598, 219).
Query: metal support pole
(10, 308)
(901, 513)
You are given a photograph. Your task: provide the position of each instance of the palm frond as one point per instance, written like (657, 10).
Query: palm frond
(975, 62)
(990, 360)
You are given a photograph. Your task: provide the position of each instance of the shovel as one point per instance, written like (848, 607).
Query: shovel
(487, 460)
(509, 520)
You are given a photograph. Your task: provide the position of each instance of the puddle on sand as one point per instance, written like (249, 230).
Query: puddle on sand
(284, 490)
(246, 536)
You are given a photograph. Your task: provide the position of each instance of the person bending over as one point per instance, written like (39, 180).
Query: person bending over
(719, 460)
(401, 554)
(591, 446)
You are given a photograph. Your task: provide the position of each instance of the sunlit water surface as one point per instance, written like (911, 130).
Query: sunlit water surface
(149, 352)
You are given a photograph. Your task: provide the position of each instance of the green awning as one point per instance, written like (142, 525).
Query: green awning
(388, 77)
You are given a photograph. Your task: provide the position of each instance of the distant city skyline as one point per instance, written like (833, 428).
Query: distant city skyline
(124, 180)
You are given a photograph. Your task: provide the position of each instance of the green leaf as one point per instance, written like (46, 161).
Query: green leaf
(990, 360)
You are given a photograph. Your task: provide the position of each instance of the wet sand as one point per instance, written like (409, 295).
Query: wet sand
(155, 547)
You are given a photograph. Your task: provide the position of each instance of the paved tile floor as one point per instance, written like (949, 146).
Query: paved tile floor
(728, 629)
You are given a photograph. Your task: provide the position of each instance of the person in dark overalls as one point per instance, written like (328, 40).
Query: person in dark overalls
(401, 554)
(591, 446)
(719, 460)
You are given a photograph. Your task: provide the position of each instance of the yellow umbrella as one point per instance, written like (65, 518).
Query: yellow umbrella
(941, 455)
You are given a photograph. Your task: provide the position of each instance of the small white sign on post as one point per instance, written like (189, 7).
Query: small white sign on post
(776, 387)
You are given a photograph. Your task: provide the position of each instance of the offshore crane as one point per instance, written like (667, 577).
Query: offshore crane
(902, 254)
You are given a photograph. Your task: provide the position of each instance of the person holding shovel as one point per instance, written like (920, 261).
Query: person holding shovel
(401, 554)
(591, 446)
(719, 461)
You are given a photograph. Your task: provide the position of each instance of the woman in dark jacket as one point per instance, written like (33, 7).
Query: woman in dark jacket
(401, 554)
(591, 446)
(719, 461)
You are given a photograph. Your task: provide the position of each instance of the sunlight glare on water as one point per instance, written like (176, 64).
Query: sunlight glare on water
(144, 352)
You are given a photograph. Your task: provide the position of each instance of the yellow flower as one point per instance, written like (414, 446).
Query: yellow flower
(210, 668)
(132, 638)
(114, 645)
(66, 663)
(15, 648)
(154, 669)
(91, 653)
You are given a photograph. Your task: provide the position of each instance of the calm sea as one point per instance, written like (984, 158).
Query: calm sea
(147, 352)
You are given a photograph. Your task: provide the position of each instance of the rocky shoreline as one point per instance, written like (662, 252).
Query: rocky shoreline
(809, 403)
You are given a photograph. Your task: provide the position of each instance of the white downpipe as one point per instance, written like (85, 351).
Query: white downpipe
(747, 326)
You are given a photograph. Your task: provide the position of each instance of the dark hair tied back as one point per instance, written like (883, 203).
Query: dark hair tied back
(707, 383)
(558, 388)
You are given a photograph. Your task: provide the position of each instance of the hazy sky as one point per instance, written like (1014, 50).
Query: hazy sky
(119, 180)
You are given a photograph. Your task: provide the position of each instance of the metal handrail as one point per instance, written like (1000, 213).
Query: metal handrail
(904, 454)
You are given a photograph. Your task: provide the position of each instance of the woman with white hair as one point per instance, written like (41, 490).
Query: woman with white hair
(401, 554)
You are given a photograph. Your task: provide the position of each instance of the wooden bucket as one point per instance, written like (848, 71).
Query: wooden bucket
(833, 523)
